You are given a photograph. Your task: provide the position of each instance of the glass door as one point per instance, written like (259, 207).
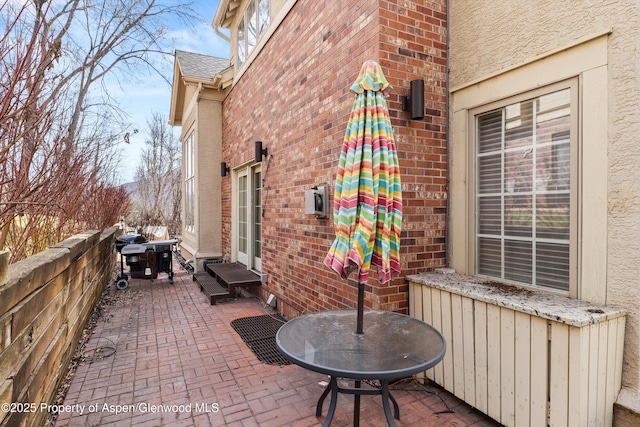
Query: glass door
(242, 219)
(256, 220)
(249, 217)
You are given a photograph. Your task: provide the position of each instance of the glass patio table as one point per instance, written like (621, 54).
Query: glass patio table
(392, 346)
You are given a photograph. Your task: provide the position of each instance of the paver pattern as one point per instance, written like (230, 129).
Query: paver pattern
(178, 362)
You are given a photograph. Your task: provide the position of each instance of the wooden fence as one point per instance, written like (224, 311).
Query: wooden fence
(45, 301)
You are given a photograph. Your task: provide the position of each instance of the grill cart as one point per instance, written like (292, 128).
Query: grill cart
(164, 255)
(122, 281)
(145, 258)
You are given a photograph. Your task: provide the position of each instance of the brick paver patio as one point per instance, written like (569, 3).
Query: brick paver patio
(178, 362)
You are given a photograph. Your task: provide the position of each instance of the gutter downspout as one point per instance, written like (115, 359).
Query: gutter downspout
(218, 19)
(221, 34)
(447, 141)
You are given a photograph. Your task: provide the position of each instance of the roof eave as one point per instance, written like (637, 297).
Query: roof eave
(212, 83)
(176, 86)
(227, 75)
(225, 13)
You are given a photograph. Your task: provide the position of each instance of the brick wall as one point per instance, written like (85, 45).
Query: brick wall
(294, 97)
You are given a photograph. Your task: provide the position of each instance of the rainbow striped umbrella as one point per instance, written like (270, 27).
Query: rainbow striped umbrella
(367, 210)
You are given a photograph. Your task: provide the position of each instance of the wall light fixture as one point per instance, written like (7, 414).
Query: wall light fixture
(224, 169)
(414, 103)
(260, 151)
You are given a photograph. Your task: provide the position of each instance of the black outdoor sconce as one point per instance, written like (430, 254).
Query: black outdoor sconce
(260, 151)
(414, 103)
(224, 169)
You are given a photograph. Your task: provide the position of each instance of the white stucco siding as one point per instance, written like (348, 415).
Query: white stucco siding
(624, 183)
(489, 36)
(209, 141)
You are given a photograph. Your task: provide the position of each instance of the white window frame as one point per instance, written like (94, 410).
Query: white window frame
(574, 143)
(584, 61)
(245, 42)
(252, 258)
(189, 183)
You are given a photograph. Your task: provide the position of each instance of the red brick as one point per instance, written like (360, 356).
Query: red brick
(299, 106)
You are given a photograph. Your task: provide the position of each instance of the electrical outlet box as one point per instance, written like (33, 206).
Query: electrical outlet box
(316, 201)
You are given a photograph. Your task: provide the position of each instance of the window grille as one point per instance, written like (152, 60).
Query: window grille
(522, 231)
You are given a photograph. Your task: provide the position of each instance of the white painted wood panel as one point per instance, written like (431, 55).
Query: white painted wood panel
(603, 340)
(493, 362)
(578, 376)
(522, 368)
(458, 344)
(610, 369)
(436, 307)
(469, 351)
(448, 360)
(415, 301)
(427, 316)
(594, 333)
(480, 337)
(539, 371)
(507, 367)
(559, 378)
(619, 354)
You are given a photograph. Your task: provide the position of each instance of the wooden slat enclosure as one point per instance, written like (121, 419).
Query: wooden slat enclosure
(523, 368)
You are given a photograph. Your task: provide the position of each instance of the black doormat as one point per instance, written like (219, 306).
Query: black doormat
(259, 333)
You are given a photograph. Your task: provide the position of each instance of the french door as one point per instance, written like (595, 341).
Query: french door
(249, 217)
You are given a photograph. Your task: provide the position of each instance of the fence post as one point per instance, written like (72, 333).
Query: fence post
(4, 266)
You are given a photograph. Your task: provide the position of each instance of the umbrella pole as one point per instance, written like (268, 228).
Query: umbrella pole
(359, 330)
(359, 324)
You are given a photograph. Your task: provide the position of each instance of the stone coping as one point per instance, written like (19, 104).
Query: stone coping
(550, 306)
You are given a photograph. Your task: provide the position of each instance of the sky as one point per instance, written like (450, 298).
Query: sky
(141, 100)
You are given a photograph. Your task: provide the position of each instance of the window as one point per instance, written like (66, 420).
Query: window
(263, 16)
(507, 229)
(253, 24)
(242, 49)
(189, 184)
(523, 191)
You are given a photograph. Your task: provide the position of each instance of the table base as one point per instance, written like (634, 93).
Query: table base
(334, 389)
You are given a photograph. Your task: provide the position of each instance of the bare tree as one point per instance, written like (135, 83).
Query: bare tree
(59, 125)
(158, 176)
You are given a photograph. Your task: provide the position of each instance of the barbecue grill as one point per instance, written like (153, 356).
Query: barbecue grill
(145, 258)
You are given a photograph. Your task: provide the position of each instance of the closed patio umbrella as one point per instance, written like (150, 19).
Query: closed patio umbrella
(368, 195)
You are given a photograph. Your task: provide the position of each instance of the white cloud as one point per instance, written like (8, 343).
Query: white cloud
(200, 39)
